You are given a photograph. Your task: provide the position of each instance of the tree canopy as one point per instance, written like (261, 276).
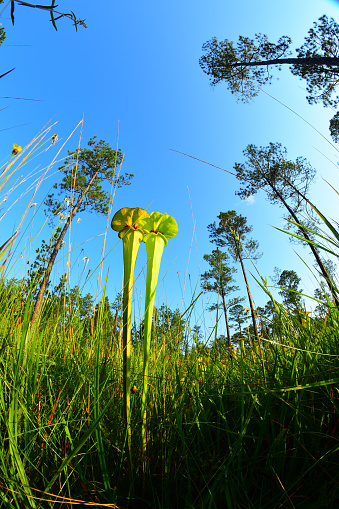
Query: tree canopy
(288, 282)
(231, 233)
(220, 275)
(99, 160)
(249, 64)
(285, 181)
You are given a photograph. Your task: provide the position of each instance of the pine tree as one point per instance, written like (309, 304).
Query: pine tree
(286, 183)
(81, 189)
(231, 233)
(246, 66)
(219, 280)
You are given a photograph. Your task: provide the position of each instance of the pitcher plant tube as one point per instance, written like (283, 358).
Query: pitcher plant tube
(126, 222)
(158, 228)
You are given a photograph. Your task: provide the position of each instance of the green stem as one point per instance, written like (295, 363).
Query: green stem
(131, 244)
(154, 248)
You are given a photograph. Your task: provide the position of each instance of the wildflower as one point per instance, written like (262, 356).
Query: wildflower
(16, 150)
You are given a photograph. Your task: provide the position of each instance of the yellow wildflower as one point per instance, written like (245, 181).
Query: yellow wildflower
(16, 150)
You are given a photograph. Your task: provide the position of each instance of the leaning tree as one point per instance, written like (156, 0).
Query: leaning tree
(82, 189)
(286, 183)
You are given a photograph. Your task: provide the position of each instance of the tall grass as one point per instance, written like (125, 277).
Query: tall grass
(222, 433)
(258, 430)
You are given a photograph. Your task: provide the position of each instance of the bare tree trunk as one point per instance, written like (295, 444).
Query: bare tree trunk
(256, 333)
(54, 254)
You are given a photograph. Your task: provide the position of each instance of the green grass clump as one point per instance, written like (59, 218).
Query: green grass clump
(260, 430)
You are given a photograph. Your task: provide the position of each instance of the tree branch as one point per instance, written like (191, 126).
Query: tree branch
(329, 61)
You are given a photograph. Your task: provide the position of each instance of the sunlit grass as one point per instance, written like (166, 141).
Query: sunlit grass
(219, 431)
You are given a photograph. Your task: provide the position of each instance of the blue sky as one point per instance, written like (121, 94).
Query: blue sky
(135, 70)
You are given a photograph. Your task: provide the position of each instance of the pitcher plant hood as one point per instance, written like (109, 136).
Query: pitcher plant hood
(161, 225)
(127, 218)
